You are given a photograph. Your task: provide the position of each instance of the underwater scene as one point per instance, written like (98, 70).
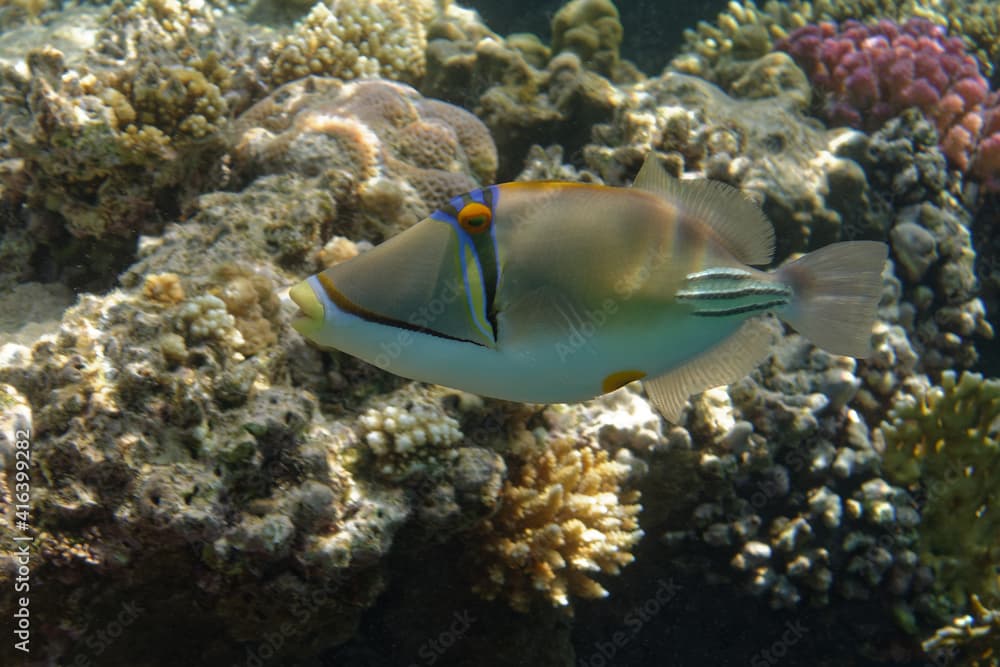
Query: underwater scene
(362, 333)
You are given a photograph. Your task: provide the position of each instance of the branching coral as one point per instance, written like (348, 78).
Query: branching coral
(943, 440)
(564, 517)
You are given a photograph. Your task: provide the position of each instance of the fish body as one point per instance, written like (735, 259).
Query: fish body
(559, 292)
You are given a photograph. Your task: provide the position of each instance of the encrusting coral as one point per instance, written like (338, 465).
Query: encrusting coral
(564, 517)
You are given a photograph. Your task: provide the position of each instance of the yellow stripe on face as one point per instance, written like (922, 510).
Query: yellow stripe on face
(619, 379)
(477, 292)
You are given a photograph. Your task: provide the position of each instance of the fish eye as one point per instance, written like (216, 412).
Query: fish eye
(475, 217)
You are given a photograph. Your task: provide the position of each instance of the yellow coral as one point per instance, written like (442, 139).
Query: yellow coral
(163, 288)
(350, 39)
(251, 299)
(564, 517)
(943, 439)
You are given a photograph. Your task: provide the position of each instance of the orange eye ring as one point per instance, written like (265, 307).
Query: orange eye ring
(475, 218)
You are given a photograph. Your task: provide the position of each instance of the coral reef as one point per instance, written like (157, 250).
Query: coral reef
(791, 506)
(160, 462)
(179, 429)
(387, 155)
(564, 517)
(190, 449)
(869, 74)
(942, 441)
(525, 92)
(133, 128)
(720, 52)
(810, 194)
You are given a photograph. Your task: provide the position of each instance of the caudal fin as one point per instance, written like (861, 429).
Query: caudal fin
(835, 291)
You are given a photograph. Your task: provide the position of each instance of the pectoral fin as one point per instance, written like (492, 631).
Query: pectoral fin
(727, 362)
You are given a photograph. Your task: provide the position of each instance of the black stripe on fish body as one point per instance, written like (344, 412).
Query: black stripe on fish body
(762, 307)
(485, 246)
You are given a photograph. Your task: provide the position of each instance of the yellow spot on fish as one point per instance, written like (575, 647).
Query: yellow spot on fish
(620, 379)
(475, 218)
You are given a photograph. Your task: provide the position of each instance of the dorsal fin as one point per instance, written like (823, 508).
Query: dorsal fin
(740, 224)
(730, 360)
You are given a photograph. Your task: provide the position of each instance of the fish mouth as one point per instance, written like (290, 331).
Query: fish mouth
(311, 312)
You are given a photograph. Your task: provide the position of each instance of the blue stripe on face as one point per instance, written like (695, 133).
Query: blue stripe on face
(441, 216)
(482, 272)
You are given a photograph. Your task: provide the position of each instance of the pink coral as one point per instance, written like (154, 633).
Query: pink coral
(871, 73)
(986, 161)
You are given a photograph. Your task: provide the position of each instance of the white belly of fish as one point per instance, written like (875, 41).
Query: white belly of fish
(550, 369)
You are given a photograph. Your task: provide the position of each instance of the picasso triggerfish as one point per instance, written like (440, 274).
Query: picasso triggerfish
(558, 292)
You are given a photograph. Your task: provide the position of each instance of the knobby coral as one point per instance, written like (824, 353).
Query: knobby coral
(871, 73)
(355, 38)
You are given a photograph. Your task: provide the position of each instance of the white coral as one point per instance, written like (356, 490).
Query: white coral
(206, 317)
(405, 439)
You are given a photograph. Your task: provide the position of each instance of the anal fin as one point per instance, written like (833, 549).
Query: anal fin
(727, 362)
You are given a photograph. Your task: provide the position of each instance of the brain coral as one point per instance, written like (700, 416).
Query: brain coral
(564, 517)
(388, 155)
(355, 38)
